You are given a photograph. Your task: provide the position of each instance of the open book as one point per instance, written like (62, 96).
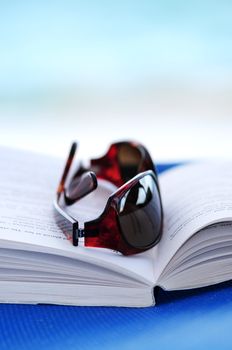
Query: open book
(39, 265)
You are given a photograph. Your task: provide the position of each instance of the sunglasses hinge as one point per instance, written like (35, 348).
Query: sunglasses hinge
(80, 232)
(77, 233)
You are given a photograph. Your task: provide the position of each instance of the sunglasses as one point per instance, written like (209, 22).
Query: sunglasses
(133, 217)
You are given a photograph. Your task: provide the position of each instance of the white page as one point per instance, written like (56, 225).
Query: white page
(193, 196)
(27, 185)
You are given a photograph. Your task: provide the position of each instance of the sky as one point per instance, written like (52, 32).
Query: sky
(112, 43)
(164, 62)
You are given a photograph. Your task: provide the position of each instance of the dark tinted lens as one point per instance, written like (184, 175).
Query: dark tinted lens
(140, 213)
(129, 159)
(80, 186)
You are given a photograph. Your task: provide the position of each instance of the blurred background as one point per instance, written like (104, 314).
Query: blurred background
(159, 72)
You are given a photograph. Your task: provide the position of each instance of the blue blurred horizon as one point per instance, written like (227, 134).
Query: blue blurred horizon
(103, 70)
(111, 44)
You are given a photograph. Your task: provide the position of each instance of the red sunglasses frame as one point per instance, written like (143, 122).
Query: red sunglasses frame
(104, 231)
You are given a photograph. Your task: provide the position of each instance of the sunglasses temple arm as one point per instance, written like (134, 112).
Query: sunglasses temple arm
(71, 223)
(67, 167)
(60, 189)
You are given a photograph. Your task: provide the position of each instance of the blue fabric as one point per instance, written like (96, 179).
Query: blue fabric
(199, 319)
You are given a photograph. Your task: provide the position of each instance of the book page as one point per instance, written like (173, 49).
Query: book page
(194, 196)
(28, 184)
